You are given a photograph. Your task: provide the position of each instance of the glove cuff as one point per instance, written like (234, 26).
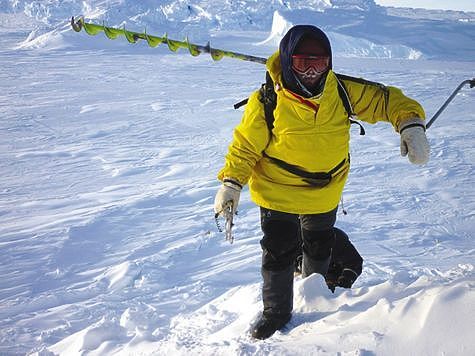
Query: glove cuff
(411, 123)
(232, 183)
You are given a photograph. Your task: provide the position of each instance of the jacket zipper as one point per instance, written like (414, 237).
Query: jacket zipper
(308, 103)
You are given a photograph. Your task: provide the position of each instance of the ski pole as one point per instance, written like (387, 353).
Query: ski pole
(444, 105)
(153, 41)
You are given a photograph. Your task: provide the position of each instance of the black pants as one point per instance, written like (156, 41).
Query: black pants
(285, 234)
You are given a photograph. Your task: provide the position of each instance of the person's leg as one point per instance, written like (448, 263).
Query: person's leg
(279, 248)
(346, 263)
(318, 236)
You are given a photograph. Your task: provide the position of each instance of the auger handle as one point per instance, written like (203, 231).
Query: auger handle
(471, 82)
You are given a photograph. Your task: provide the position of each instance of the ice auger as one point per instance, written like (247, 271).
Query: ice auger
(154, 41)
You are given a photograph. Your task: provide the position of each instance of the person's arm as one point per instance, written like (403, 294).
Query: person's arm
(373, 102)
(250, 138)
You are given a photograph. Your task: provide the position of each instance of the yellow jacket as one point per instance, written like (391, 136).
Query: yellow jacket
(312, 134)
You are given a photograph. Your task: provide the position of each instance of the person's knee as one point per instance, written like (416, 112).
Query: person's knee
(279, 244)
(318, 244)
(345, 253)
(341, 236)
(319, 222)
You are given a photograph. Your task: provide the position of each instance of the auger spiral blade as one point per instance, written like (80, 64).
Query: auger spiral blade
(153, 41)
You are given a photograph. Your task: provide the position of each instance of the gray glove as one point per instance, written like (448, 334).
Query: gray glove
(414, 142)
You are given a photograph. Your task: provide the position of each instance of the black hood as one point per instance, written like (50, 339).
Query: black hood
(287, 48)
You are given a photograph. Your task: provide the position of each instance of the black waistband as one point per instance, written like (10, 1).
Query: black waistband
(302, 173)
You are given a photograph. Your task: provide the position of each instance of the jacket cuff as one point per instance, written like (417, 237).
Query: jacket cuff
(232, 183)
(416, 121)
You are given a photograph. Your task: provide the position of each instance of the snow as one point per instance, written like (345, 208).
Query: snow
(108, 162)
(459, 5)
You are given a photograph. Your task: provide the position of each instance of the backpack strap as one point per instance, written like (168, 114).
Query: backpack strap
(268, 97)
(241, 103)
(345, 98)
(343, 93)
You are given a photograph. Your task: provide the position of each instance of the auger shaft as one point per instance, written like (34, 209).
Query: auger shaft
(153, 41)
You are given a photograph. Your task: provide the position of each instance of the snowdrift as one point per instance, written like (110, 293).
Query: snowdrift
(374, 318)
(108, 162)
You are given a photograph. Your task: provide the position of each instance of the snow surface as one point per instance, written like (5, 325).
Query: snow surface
(108, 158)
(459, 5)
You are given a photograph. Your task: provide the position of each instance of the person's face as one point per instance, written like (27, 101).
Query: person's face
(309, 62)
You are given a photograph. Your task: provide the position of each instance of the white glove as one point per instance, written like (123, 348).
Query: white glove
(414, 143)
(228, 193)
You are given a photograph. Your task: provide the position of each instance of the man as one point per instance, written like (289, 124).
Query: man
(296, 172)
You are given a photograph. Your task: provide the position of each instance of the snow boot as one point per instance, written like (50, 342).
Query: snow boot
(277, 297)
(267, 325)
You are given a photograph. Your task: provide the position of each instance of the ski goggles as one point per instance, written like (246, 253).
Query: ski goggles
(302, 63)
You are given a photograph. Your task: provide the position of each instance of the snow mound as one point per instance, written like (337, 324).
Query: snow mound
(95, 339)
(342, 45)
(279, 28)
(121, 276)
(382, 313)
(377, 316)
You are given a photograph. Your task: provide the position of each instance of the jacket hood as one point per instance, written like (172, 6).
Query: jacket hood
(287, 47)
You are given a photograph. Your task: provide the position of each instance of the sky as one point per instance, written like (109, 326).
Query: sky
(462, 5)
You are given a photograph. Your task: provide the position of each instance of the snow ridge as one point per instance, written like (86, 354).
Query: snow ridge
(359, 27)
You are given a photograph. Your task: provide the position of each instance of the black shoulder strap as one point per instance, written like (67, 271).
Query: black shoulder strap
(345, 98)
(344, 95)
(269, 99)
(241, 103)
